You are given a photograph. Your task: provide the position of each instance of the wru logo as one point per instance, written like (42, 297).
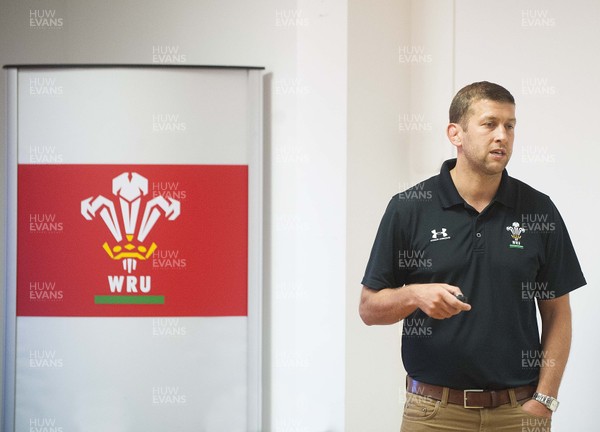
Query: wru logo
(515, 232)
(130, 188)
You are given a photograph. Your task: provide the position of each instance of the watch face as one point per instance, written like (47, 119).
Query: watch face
(553, 405)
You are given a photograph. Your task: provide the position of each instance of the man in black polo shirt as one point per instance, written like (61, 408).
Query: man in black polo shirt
(463, 258)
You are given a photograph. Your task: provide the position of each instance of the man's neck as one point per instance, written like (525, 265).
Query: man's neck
(476, 189)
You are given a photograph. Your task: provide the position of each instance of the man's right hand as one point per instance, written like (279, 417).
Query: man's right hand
(390, 305)
(438, 300)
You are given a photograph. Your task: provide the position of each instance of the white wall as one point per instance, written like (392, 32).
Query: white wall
(377, 89)
(302, 44)
(431, 86)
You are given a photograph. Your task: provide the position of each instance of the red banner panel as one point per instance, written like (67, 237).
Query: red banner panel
(132, 240)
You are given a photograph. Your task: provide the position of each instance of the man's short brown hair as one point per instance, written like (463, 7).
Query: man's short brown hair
(461, 103)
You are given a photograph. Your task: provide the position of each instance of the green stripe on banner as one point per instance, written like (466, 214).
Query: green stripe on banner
(129, 299)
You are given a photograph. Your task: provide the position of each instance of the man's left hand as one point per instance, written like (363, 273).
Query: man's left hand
(536, 409)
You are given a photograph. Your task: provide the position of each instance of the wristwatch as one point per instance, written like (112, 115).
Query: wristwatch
(548, 401)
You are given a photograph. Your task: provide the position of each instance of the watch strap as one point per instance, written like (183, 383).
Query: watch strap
(548, 401)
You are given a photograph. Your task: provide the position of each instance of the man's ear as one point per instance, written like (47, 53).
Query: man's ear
(453, 132)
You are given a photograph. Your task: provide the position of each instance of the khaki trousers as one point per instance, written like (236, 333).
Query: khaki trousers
(424, 414)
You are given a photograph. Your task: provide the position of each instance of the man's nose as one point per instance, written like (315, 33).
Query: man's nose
(501, 133)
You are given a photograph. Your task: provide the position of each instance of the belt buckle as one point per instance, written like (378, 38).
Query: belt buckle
(465, 398)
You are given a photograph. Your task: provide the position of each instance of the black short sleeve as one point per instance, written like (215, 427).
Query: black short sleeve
(382, 269)
(560, 272)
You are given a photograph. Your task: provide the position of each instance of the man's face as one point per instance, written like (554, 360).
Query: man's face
(486, 143)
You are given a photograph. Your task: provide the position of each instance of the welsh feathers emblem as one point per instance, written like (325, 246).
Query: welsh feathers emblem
(130, 239)
(515, 232)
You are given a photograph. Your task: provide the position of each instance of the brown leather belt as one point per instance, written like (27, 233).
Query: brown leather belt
(473, 398)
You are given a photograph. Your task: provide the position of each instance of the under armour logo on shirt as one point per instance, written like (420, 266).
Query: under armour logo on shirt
(439, 235)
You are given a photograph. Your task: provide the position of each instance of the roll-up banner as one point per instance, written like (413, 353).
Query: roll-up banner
(134, 221)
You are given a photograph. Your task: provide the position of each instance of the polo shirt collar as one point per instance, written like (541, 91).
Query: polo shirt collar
(449, 196)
